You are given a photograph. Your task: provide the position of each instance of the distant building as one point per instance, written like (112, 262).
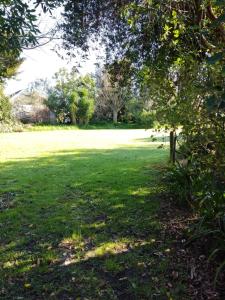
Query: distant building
(30, 107)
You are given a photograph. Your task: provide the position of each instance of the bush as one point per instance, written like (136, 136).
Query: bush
(85, 108)
(136, 113)
(5, 108)
(7, 122)
(179, 183)
(147, 118)
(71, 99)
(200, 183)
(11, 126)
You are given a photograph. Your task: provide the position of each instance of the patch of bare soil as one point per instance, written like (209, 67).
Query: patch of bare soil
(189, 261)
(6, 200)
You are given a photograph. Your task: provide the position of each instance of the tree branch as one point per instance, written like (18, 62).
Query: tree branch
(220, 27)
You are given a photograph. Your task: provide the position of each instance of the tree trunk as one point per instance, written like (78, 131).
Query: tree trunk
(115, 116)
(73, 119)
(173, 140)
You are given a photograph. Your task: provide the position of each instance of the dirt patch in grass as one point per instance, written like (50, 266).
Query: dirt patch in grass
(6, 200)
(188, 261)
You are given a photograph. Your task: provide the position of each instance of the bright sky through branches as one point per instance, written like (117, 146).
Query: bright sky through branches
(43, 62)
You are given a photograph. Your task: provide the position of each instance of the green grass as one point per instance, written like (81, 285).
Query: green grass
(102, 125)
(78, 216)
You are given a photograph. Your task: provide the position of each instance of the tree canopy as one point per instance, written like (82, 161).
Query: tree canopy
(17, 31)
(146, 32)
(72, 97)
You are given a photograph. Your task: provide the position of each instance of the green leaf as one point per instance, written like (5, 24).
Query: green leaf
(222, 265)
(220, 2)
(176, 33)
(222, 104)
(221, 18)
(212, 255)
(215, 58)
(211, 103)
(174, 13)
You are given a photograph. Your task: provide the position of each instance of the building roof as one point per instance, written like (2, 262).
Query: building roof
(27, 97)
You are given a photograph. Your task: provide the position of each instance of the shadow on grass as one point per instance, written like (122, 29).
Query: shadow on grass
(83, 225)
(155, 139)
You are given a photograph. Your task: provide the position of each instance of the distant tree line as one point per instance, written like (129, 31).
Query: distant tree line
(77, 99)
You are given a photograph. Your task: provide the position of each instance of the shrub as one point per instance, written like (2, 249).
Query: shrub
(85, 107)
(147, 118)
(5, 108)
(200, 183)
(11, 126)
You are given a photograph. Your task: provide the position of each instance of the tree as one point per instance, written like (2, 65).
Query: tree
(72, 97)
(111, 95)
(73, 103)
(81, 106)
(85, 106)
(16, 33)
(5, 107)
(19, 30)
(41, 85)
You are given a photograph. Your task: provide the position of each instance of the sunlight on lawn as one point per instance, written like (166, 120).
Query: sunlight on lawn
(73, 198)
(32, 144)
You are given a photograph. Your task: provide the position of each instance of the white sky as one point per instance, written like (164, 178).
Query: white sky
(43, 62)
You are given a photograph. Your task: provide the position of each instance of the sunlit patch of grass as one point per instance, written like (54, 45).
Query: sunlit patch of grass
(17, 261)
(108, 248)
(72, 243)
(101, 125)
(142, 191)
(118, 206)
(97, 225)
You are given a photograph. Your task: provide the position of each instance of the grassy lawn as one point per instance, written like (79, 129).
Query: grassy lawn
(78, 216)
(102, 125)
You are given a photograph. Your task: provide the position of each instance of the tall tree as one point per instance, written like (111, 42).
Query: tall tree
(17, 31)
(5, 107)
(72, 97)
(111, 95)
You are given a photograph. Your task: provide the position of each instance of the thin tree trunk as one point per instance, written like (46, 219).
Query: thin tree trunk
(174, 147)
(173, 140)
(73, 119)
(115, 116)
